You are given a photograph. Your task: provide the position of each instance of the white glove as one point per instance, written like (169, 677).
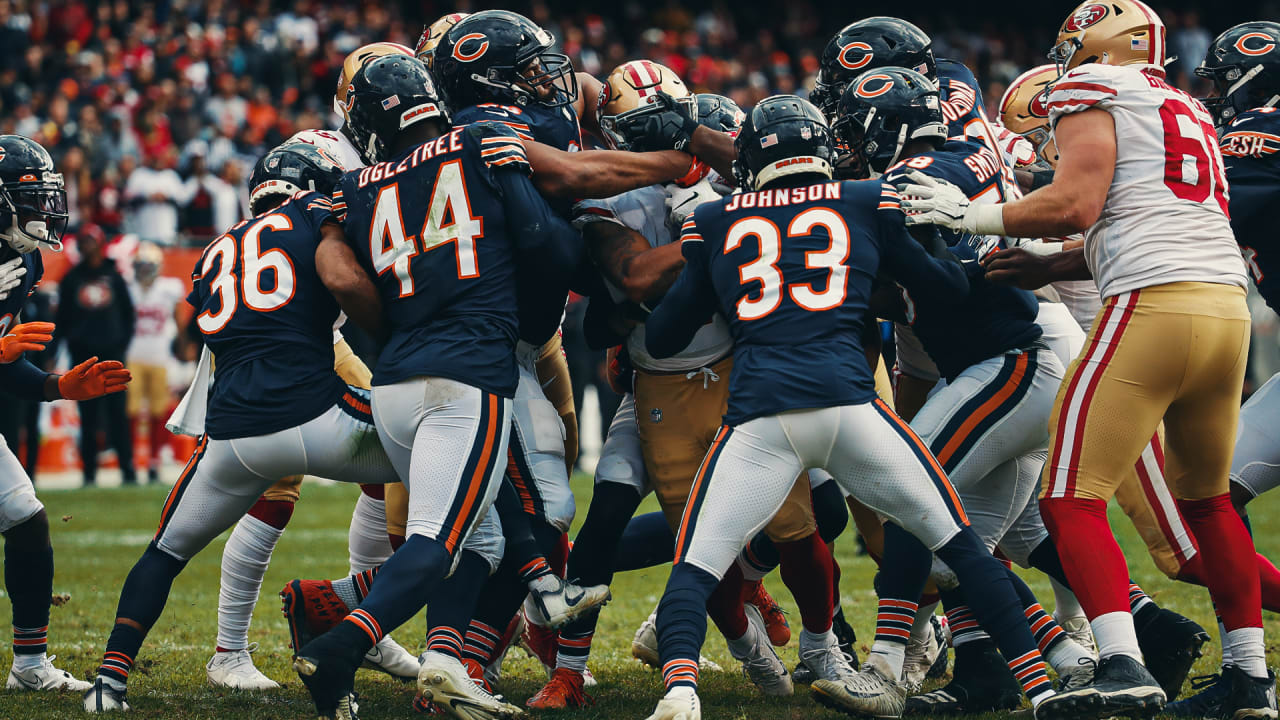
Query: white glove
(928, 201)
(681, 202)
(11, 276)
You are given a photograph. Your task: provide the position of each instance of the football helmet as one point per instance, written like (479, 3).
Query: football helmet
(783, 135)
(719, 113)
(147, 261)
(431, 35)
(1113, 32)
(503, 57)
(1024, 109)
(388, 95)
(352, 65)
(630, 92)
(1244, 65)
(884, 109)
(292, 168)
(866, 45)
(33, 199)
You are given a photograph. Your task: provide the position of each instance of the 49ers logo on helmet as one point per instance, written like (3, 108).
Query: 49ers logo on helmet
(1037, 105)
(874, 85)
(1255, 43)
(459, 53)
(855, 55)
(1085, 17)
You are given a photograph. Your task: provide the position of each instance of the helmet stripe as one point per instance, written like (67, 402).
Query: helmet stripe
(1155, 38)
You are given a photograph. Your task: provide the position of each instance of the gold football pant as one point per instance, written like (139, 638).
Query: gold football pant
(678, 418)
(150, 386)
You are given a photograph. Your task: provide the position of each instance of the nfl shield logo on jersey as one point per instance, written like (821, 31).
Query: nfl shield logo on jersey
(656, 415)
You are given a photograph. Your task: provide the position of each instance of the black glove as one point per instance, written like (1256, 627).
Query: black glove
(666, 125)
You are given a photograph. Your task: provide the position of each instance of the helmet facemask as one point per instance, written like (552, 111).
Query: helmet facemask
(37, 214)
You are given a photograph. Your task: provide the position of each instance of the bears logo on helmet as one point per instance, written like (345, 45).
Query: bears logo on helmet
(862, 54)
(1086, 16)
(1259, 48)
(464, 56)
(885, 84)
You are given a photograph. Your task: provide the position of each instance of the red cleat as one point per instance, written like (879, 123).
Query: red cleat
(541, 643)
(312, 608)
(775, 620)
(562, 692)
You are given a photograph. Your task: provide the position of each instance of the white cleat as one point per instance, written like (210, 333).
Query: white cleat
(444, 681)
(45, 677)
(870, 693)
(644, 647)
(761, 663)
(552, 602)
(234, 670)
(1077, 628)
(680, 703)
(102, 697)
(825, 660)
(922, 653)
(389, 657)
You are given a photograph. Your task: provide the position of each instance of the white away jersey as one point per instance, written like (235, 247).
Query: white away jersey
(1165, 217)
(332, 142)
(644, 210)
(155, 328)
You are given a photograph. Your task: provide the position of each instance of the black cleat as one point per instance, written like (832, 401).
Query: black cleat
(845, 636)
(1212, 690)
(1121, 686)
(1170, 644)
(982, 683)
(329, 672)
(1248, 698)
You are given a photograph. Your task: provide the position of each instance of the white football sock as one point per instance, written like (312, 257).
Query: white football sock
(367, 543)
(890, 656)
(1222, 640)
(1067, 654)
(244, 563)
(1115, 635)
(27, 662)
(345, 589)
(1065, 603)
(1247, 652)
(923, 622)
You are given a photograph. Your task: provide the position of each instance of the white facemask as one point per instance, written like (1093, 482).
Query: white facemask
(27, 239)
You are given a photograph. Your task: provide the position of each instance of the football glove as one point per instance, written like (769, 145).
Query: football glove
(92, 379)
(665, 125)
(621, 373)
(11, 276)
(928, 201)
(27, 337)
(682, 201)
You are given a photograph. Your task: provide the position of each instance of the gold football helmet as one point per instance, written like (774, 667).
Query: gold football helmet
(431, 36)
(628, 91)
(1111, 32)
(352, 65)
(1024, 109)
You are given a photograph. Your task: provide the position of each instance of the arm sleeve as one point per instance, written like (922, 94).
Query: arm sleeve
(1081, 89)
(596, 329)
(926, 269)
(687, 306)
(23, 380)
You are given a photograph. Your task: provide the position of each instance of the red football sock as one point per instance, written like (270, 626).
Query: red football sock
(806, 570)
(1227, 548)
(559, 557)
(377, 492)
(835, 583)
(275, 513)
(395, 540)
(158, 436)
(1269, 577)
(1090, 555)
(725, 604)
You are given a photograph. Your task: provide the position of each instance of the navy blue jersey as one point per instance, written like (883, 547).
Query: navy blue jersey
(992, 319)
(796, 305)
(438, 227)
(21, 378)
(1251, 151)
(961, 97)
(268, 320)
(557, 127)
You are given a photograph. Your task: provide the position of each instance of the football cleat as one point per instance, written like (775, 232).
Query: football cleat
(825, 661)
(1121, 686)
(1077, 628)
(444, 681)
(1248, 698)
(104, 697)
(680, 703)
(775, 619)
(981, 682)
(478, 676)
(563, 691)
(869, 693)
(542, 644)
(1074, 678)
(390, 657)
(644, 647)
(1170, 645)
(311, 608)
(234, 669)
(1206, 703)
(513, 634)
(329, 674)
(924, 654)
(553, 602)
(760, 663)
(45, 677)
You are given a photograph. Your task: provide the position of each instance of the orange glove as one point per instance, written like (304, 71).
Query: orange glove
(27, 337)
(92, 379)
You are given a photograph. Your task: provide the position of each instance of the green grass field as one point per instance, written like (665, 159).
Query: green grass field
(99, 533)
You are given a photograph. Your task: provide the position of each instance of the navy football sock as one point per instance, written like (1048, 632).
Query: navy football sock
(447, 620)
(142, 599)
(521, 545)
(28, 578)
(591, 561)
(904, 570)
(406, 581)
(1045, 559)
(647, 542)
(682, 623)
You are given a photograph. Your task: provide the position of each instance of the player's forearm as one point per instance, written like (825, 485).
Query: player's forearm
(1055, 210)
(601, 173)
(342, 275)
(651, 274)
(24, 380)
(715, 149)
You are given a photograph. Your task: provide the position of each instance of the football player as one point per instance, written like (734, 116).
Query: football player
(1159, 291)
(33, 214)
(788, 411)
(248, 549)
(277, 409)
(431, 36)
(1244, 65)
(444, 381)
